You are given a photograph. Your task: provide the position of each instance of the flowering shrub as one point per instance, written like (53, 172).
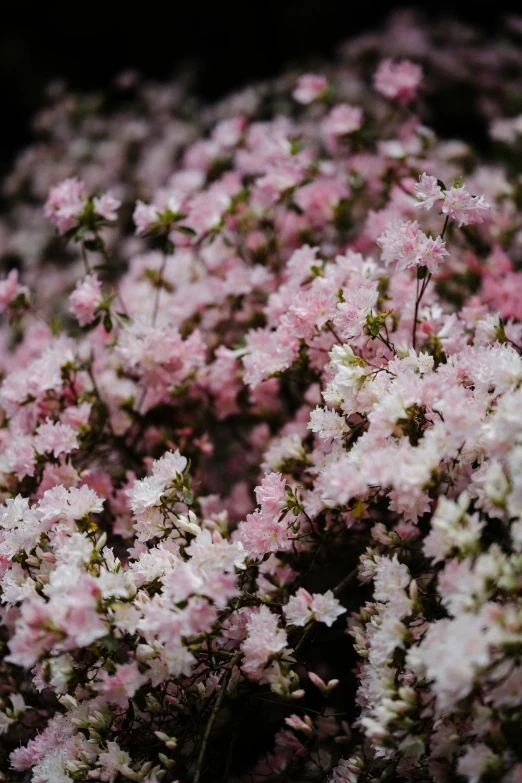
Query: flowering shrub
(261, 392)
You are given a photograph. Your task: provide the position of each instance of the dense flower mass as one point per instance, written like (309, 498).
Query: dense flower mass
(261, 464)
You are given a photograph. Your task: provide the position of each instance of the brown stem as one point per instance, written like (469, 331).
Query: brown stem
(159, 285)
(213, 715)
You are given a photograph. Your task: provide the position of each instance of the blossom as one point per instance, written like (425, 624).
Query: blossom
(428, 191)
(327, 423)
(309, 87)
(292, 405)
(65, 203)
(112, 761)
(406, 245)
(107, 206)
(85, 299)
(264, 639)
(326, 608)
(72, 504)
(460, 205)
(169, 467)
(260, 534)
(10, 289)
(398, 81)
(271, 494)
(298, 610)
(144, 216)
(341, 121)
(322, 607)
(121, 686)
(56, 438)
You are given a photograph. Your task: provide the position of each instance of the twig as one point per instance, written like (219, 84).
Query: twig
(213, 715)
(159, 285)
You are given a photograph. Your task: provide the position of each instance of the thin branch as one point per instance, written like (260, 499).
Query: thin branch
(159, 286)
(213, 715)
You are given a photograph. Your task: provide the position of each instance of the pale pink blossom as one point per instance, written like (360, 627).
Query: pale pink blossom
(341, 121)
(326, 608)
(86, 299)
(169, 467)
(145, 216)
(264, 639)
(107, 206)
(298, 610)
(121, 686)
(112, 761)
(428, 191)
(56, 438)
(10, 288)
(466, 209)
(398, 81)
(328, 424)
(65, 203)
(406, 245)
(271, 494)
(309, 87)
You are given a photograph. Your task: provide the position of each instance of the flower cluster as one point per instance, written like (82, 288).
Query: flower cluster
(261, 434)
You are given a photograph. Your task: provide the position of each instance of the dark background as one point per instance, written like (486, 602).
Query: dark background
(86, 43)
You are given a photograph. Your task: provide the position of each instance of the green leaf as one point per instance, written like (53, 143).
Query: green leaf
(500, 333)
(110, 643)
(188, 497)
(107, 322)
(185, 230)
(20, 300)
(421, 272)
(92, 325)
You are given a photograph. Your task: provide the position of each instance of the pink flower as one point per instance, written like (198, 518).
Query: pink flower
(477, 760)
(271, 495)
(10, 288)
(144, 216)
(170, 466)
(270, 352)
(261, 534)
(309, 88)
(298, 610)
(112, 761)
(297, 723)
(326, 608)
(404, 244)
(207, 209)
(264, 640)
(302, 607)
(61, 503)
(350, 316)
(77, 416)
(65, 203)
(460, 205)
(428, 191)
(327, 423)
(120, 687)
(342, 120)
(56, 438)
(107, 206)
(398, 80)
(319, 198)
(85, 299)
